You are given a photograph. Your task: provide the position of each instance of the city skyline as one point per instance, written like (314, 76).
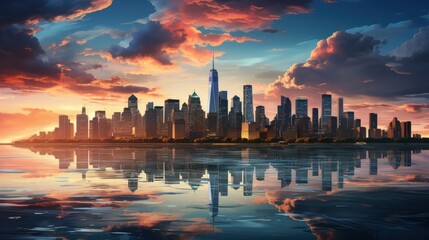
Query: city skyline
(90, 53)
(191, 122)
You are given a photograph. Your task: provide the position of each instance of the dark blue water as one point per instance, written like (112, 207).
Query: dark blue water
(218, 192)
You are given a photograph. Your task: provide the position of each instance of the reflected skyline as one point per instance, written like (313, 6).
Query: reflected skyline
(217, 189)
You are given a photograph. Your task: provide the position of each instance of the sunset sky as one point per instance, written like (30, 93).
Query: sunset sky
(58, 55)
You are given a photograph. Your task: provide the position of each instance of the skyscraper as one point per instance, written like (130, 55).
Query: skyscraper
(159, 114)
(132, 102)
(340, 109)
(301, 109)
(315, 120)
(394, 129)
(150, 119)
(196, 117)
(284, 116)
(373, 131)
(223, 113)
(82, 125)
(64, 127)
(169, 105)
(406, 129)
(248, 104)
(326, 109)
(235, 117)
(373, 121)
(213, 97)
(261, 119)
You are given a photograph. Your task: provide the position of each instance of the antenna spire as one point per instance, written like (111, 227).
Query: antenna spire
(213, 59)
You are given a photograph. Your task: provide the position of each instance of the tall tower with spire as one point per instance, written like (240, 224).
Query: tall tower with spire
(213, 97)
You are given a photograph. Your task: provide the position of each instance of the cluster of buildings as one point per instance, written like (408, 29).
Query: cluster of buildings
(189, 120)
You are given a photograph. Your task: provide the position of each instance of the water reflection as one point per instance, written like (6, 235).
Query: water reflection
(327, 188)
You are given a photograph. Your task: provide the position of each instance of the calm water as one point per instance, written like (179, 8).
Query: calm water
(370, 192)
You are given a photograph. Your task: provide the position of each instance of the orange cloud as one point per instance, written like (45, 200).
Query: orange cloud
(227, 15)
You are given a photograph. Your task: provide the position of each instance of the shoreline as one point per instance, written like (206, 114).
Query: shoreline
(247, 145)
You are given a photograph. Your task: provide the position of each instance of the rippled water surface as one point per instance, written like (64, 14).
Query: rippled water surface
(217, 192)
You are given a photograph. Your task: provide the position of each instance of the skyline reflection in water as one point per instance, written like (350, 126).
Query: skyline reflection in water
(222, 192)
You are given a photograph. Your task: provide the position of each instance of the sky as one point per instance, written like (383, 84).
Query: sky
(59, 55)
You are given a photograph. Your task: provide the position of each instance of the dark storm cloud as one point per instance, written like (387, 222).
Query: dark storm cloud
(21, 54)
(274, 6)
(348, 63)
(272, 30)
(150, 41)
(22, 11)
(26, 66)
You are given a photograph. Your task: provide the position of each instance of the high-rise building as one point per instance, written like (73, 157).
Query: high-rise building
(406, 129)
(132, 102)
(93, 128)
(260, 117)
(170, 105)
(340, 109)
(150, 120)
(64, 127)
(126, 122)
(373, 121)
(332, 126)
(82, 125)
(248, 104)
(196, 116)
(394, 129)
(373, 131)
(213, 96)
(301, 107)
(159, 115)
(357, 123)
(326, 109)
(223, 114)
(315, 120)
(235, 118)
(105, 128)
(350, 119)
(284, 116)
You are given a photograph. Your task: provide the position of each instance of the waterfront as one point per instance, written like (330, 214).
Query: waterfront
(214, 192)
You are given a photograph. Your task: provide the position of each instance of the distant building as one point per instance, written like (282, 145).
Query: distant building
(196, 117)
(235, 118)
(150, 121)
(223, 114)
(159, 115)
(326, 110)
(373, 121)
(284, 116)
(347, 125)
(406, 129)
(332, 127)
(301, 107)
(394, 129)
(169, 106)
(315, 121)
(248, 104)
(250, 131)
(260, 117)
(65, 128)
(82, 125)
(133, 102)
(302, 127)
(373, 131)
(340, 110)
(213, 96)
